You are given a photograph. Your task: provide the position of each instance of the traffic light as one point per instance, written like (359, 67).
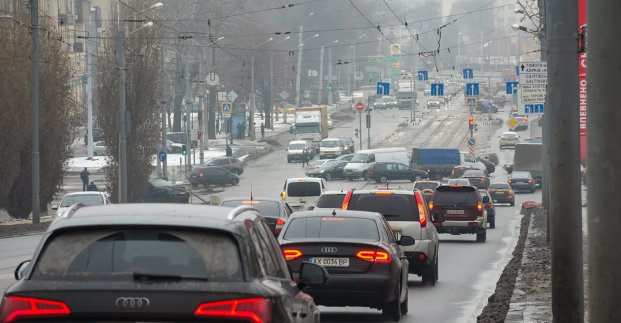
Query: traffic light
(184, 150)
(356, 132)
(471, 122)
(200, 135)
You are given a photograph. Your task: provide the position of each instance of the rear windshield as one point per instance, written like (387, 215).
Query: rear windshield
(332, 227)
(394, 207)
(268, 209)
(331, 201)
(297, 189)
(425, 185)
(499, 186)
(118, 254)
(458, 196)
(86, 199)
(474, 173)
(296, 146)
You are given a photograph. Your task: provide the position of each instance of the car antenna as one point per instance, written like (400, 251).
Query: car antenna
(251, 191)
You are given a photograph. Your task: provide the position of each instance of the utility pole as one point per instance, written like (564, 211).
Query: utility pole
(164, 143)
(298, 70)
(320, 76)
(355, 87)
(271, 107)
(201, 107)
(565, 205)
(360, 128)
(252, 100)
(34, 21)
(211, 118)
(188, 101)
(288, 87)
(368, 128)
(120, 54)
(603, 120)
(330, 75)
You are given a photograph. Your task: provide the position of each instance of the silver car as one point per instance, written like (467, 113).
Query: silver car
(508, 138)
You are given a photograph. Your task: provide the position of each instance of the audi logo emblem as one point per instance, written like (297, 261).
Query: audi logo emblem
(132, 303)
(328, 249)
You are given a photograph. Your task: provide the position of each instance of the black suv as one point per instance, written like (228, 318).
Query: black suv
(459, 210)
(381, 172)
(138, 263)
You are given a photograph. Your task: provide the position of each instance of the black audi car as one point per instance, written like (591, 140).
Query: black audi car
(366, 263)
(159, 263)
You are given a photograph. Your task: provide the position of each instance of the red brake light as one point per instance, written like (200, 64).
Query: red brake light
(279, 225)
(255, 310)
(345, 204)
(422, 216)
(291, 254)
(16, 308)
(530, 180)
(509, 181)
(280, 222)
(201, 174)
(379, 257)
(482, 179)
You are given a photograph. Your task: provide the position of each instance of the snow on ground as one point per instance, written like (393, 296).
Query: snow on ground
(81, 162)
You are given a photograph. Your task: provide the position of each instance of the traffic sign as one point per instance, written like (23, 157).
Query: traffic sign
(533, 73)
(471, 141)
(511, 87)
(471, 101)
(222, 96)
(161, 156)
(232, 96)
(383, 88)
(472, 89)
(533, 108)
(213, 79)
(512, 123)
(468, 73)
(227, 108)
(423, 75)
(284, 95)
(359, 106)
(532, 94)
(437, 89)
(359, 76)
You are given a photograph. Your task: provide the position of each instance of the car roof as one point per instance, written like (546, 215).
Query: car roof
(85, 193)
(254, 198)
(500, 183)
(392, 190)
(335, 212)
(510, 132)
(304, 179)
(154, 214)
(298, 142)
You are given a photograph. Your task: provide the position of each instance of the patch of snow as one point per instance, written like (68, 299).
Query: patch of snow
(81, 162)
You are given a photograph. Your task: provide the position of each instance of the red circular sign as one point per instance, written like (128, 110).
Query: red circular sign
(359, 106)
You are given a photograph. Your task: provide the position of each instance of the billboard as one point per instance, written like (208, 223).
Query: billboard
(582, 70)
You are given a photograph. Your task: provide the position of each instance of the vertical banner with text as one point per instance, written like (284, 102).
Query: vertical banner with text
(582, 70)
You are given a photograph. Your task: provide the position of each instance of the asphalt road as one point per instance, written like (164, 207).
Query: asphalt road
(468, 270)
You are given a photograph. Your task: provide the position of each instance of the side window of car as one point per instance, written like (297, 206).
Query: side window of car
(288, 209)
(371, 158)
(403, 168)
(282, 270)
(268, 260)
(389, 232)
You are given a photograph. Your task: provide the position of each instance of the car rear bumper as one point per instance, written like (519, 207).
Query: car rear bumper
(372, 290)
(522, 186)
(502, 198)
(461, 227)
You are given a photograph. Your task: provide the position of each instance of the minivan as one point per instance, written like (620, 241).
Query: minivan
(303, 192)
(299, 150)
(359, 164)
(330, 148)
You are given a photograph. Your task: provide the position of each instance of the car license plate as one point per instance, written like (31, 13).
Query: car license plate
(499, 193)
(331, 262)
(454, 211)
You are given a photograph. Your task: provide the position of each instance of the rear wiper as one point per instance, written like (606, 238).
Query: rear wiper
(165, 277)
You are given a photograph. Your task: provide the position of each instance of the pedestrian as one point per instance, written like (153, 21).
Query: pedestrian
(305, 159)
(92, 187)
(229, 151)
(218, 126)
(84, 177)
(262, 130)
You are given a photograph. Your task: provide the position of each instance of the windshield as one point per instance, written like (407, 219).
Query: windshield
(359, 158)
(86, 199)
(499, 187)
(332, 227)
(394, 207)
(266, 208)
(307, 128)
(332, 201)
(474, 173)
(329, 143)
(520, 175)
(117, 254)
(463, 196)
(300, 189)
(297, 146)
(331, 163)
(426, 185)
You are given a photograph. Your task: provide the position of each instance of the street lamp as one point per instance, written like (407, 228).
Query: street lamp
(320, 90)
(300, 44)
(355, 68)
(122, 109)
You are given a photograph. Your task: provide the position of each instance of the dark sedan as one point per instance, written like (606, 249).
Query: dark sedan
(329, 170)
(382, 172)
(162, 191)
(366, 263)
(501, 193)
(478, 178)
(274, 210)
(490, 208)
(212, 175)
(522, 181)
(159, 263)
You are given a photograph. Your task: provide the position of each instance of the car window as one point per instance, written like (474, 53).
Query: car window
(274, 248)
(459, 196)
(332, 227)
(520, 175)
(269, 209)
(371, 158)
(288, 209)
(389, 233)
(394, 207)
(426, 185)
(359, 158)
(499, 186)
(402, 167)
(297, 189)
(329, 201)
(474, 173)
(116, 254)
(270, 261)
(297, 146)
(86, 199)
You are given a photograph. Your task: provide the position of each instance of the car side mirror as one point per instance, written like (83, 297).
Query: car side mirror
(485, 199)
(55, 207)
(21, 269)
(406, 241)
(438, 218)
(312, 275)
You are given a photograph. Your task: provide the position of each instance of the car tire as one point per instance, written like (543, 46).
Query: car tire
(234, 181)
(404, 305)
(533, 190)
(327, 176)
(288, 160)
(492, 222)
(431, 274)
(206, 184)
(393, 309)
(236, 172)
(482, 236)
(364, 175)
(382, 179)
(512, 203)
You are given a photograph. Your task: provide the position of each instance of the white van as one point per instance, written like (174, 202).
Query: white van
(299, 150)
(301, 193)
(330, 148)
(358, 165)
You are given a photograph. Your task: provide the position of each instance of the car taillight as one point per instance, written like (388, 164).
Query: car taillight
(509, 181)
(283, 195)
(378, 257)
(422, 216)
(291, 254)
(482, 179)
(16, 308)
(530, 180)
(430, 205)
(510, 191)
(345, 204)
(255, 310)
(201, 174)
(279, 225)
(490, 205)
(480, 206)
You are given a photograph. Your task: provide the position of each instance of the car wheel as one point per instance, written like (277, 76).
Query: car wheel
(492, 222)
(234, 181)
(512, 203)
(533, 190)
(328, 176)
(206, 184)
(236, 172)
(393, 308)
(288, 160)
(431, 275)
(481, 236)
(382, 179)
(404, 305)
(364, 175)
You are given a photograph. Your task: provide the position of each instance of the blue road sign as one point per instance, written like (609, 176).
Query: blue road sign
(471, 142)
(533, 108)
(383, 88)
(161, 156)
(468, 73)
(423, 75)
(437, 89)
(472, 89)
(512, 87)
(227, 107)
(471, 101)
